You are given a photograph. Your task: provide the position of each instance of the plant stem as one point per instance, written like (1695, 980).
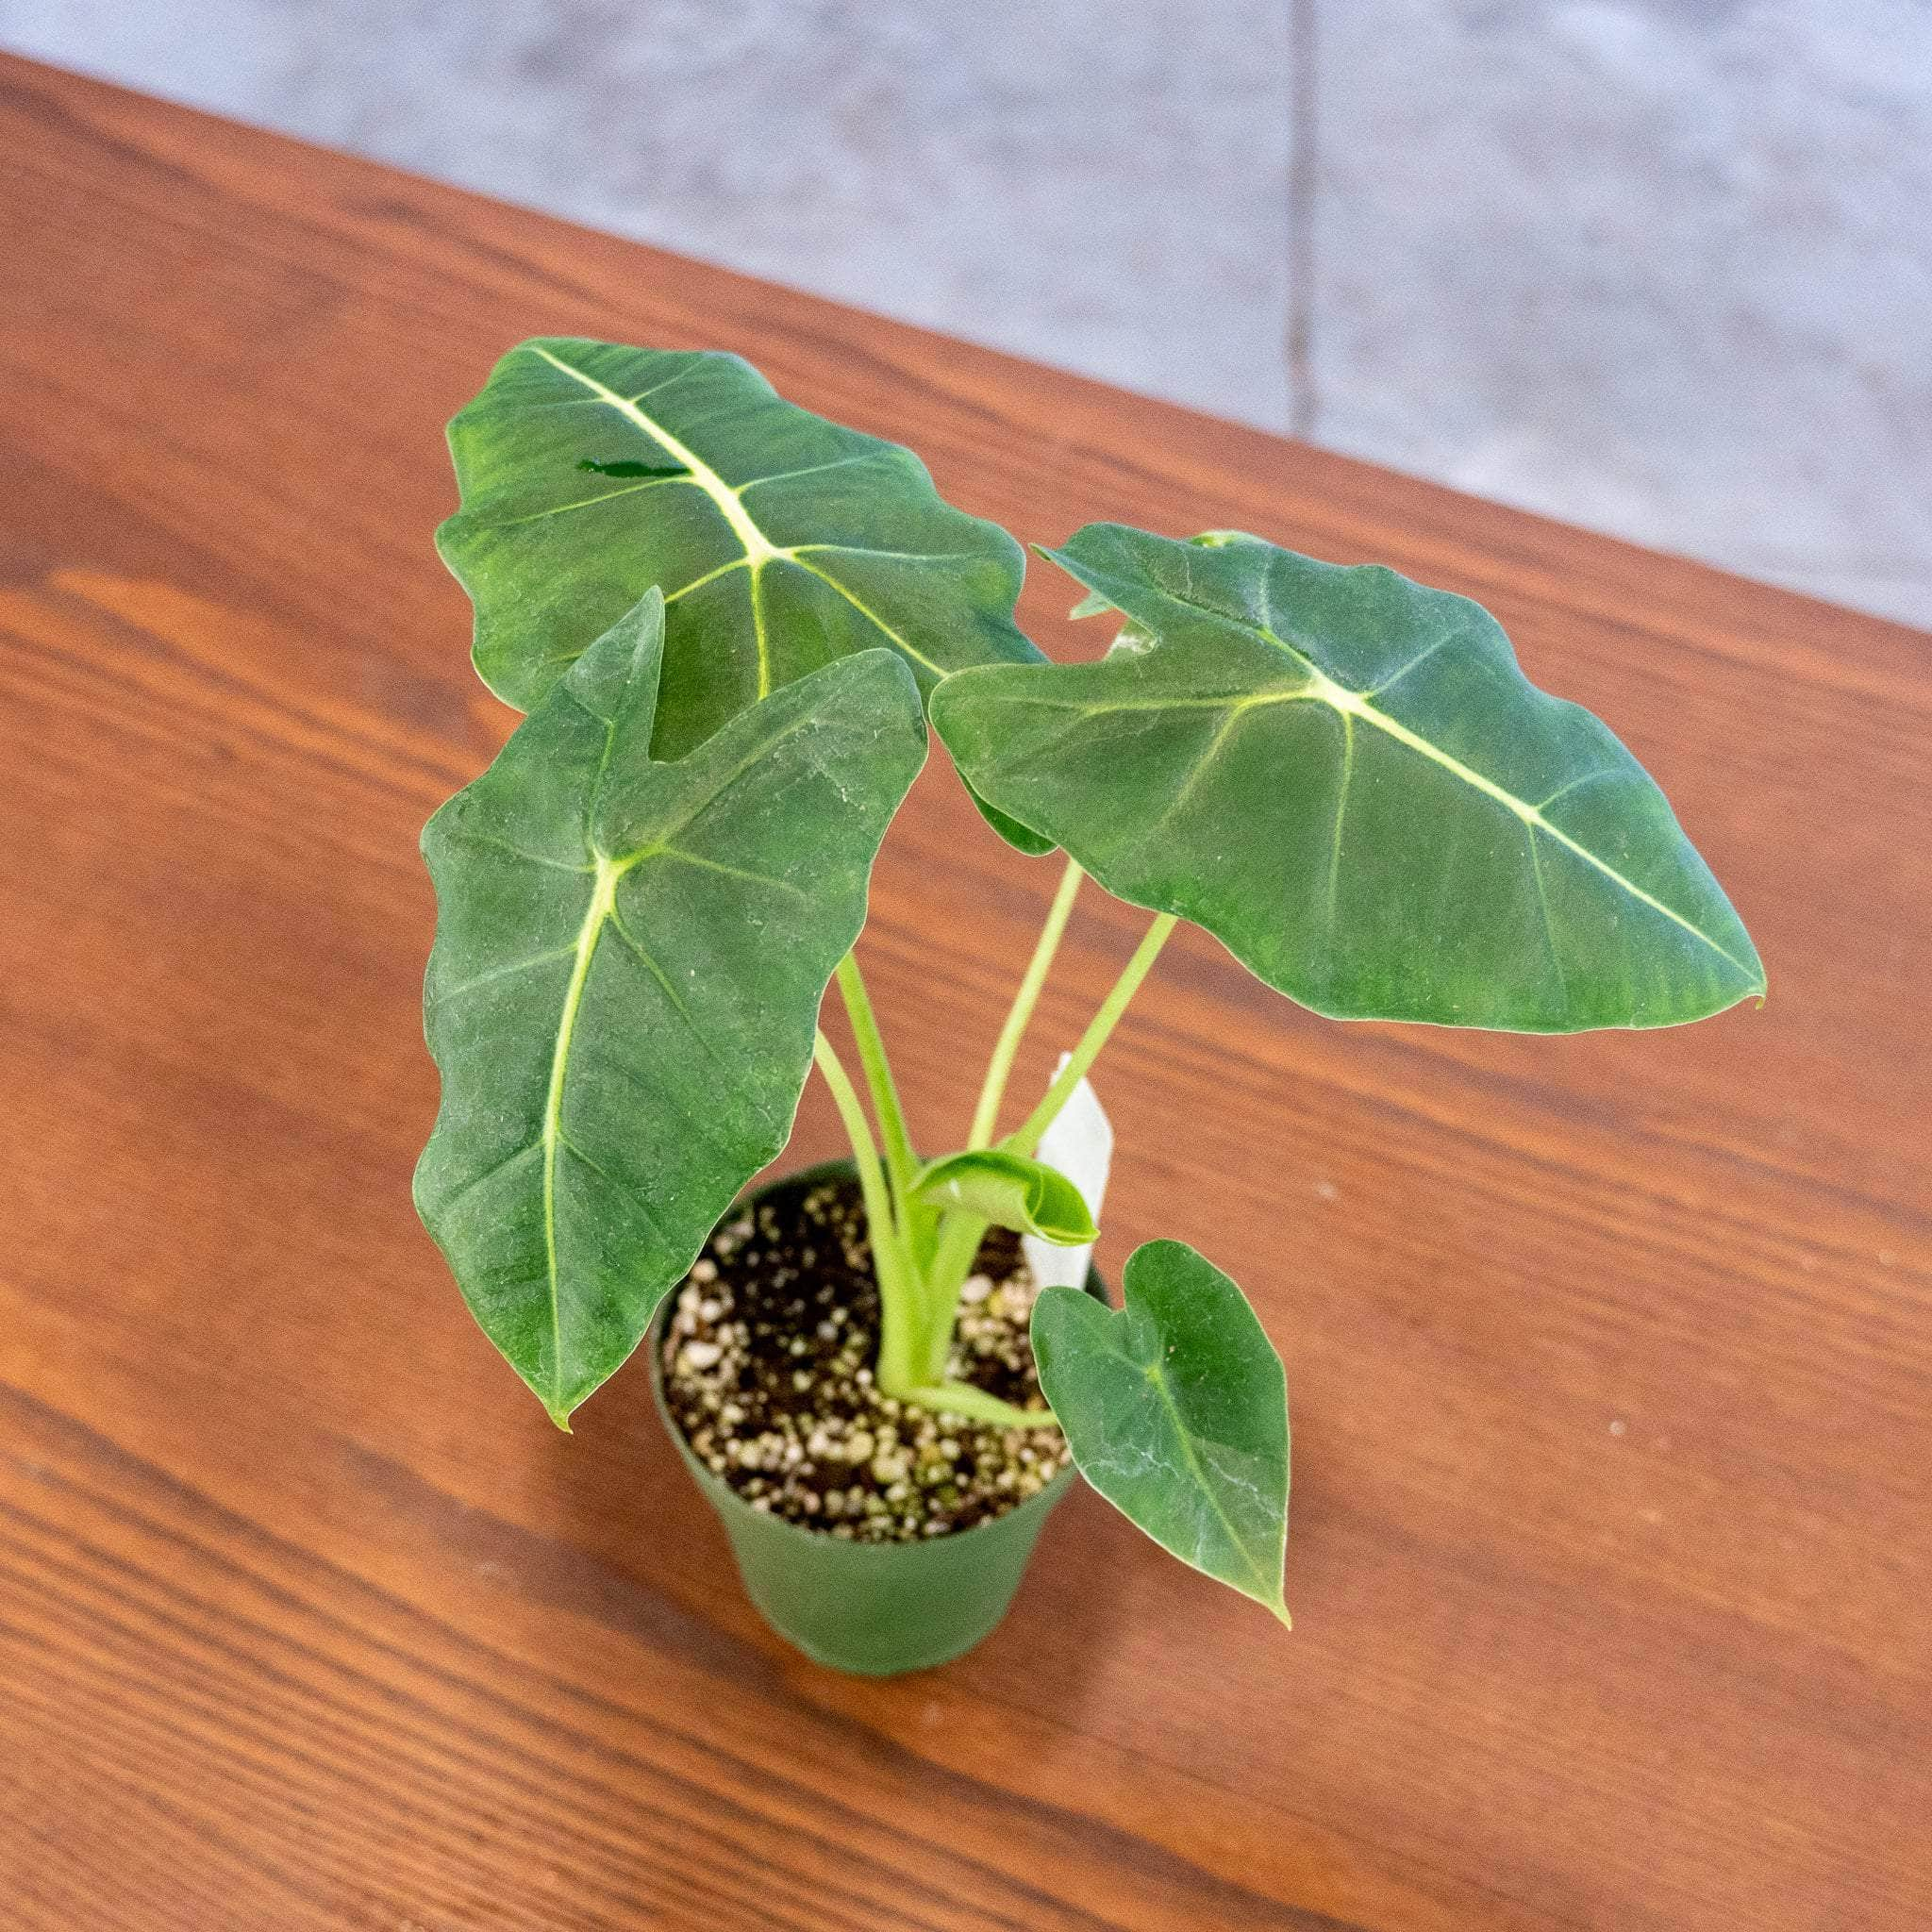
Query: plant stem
(975, 1405)
(960, 1234)
(878, 1072)
(900, 1328)
(918, 1224)
(986, 1115)
(1025, 1138)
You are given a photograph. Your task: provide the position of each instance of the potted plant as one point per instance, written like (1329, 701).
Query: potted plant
(730, 624)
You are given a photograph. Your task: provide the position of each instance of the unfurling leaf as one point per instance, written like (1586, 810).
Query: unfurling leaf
(1346, 779)
(1009, 1191)
(1176, 1408)
(782, 541)
(626, 983)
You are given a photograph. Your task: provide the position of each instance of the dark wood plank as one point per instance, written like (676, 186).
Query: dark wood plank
(1611, 1355)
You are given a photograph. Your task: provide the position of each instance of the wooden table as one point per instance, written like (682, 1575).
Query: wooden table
(1610, 1357)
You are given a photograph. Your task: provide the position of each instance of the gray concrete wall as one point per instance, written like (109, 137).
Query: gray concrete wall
(1662, 267)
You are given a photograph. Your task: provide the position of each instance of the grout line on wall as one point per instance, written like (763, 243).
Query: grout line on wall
(1302, 154)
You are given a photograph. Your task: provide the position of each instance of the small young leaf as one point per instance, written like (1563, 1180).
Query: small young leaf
(1009, 1191)
(1346, 779)
(1176, 1408)
(626, 983)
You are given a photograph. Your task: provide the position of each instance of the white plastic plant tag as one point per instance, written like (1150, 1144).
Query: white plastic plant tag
(1080, 1145)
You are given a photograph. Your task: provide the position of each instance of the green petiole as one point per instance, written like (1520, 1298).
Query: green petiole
(922, 1258)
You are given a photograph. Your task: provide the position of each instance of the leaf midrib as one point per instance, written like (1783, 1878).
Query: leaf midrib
(729, 500)
(610, 870)
(1156, 1376)
(603, 897)
(1321, 689)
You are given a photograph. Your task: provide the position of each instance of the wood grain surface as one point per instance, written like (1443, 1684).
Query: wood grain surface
(1610, 1357)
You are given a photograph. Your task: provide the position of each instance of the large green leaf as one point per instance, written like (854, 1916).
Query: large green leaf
(589, 472)
(1009, 1191)
(625, 982)
(1176, 1408)
(1346, 779)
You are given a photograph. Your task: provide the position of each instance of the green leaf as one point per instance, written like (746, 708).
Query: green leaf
(1346, 779)
(1022, 838)
(1009, 1191)
(781, 541)
(1176, 1408)
(625, 982)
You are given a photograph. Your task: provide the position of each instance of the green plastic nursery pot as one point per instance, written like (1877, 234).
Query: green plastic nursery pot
(874, 1610)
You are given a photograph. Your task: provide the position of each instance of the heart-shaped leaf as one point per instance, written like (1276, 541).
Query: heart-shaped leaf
(1346, 779)
(1009, 1191)
(589, 472)
(625, 982)
(1176, 1408)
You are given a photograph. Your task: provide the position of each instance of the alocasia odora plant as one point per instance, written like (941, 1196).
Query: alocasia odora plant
(729, 622)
